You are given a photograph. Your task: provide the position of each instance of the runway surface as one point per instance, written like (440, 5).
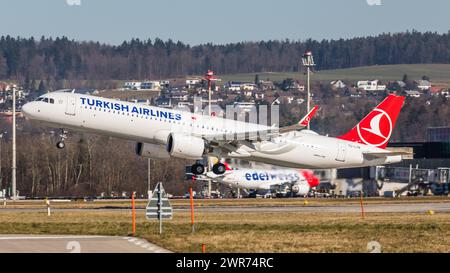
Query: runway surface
(344, 208)
(75, 244)
(379, 208)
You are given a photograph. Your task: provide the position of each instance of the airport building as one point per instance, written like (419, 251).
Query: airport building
(438, 134)
(426, 171)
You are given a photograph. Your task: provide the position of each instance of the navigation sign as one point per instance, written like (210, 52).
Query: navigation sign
(159, 205)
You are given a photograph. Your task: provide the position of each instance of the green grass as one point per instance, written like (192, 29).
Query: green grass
(436, 72)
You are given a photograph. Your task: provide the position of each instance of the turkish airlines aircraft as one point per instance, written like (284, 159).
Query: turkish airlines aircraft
(161, 133)
(298, 181)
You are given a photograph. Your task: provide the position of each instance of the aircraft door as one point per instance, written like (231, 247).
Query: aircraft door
(341, 152)
(71, 105)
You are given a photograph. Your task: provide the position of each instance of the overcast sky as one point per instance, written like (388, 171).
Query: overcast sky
(202, 21)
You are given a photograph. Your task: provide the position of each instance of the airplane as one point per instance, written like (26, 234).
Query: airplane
(298, 181)
(163, 133)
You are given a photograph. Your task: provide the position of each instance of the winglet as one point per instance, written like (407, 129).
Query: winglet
(306, 119)
(302, 123)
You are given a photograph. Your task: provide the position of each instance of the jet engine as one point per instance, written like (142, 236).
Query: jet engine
(151, 151)
(300, 188)
(185, 146)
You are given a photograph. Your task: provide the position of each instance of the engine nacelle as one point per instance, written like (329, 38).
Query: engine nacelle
(185, 146)
(300, 188)
(151, 151)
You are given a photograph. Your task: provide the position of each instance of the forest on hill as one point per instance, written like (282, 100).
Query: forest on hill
(61, 58)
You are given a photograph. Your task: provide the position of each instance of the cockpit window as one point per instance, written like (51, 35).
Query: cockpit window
(47, 100)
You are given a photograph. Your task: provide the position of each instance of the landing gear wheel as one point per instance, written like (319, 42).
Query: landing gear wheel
(219, 168)
(63, 136)
(197, 169)
(60, 145)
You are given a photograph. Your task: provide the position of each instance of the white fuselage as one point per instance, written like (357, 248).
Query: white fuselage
(131, 121)
(254, 179)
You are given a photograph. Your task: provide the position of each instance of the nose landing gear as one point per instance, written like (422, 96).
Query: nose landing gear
(63, 136)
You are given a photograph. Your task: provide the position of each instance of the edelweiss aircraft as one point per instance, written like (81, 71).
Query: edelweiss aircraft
(161, 133)
(298, 181)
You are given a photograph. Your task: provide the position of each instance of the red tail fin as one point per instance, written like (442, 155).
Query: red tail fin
(227, 167)
(376, 128)
(311, 178)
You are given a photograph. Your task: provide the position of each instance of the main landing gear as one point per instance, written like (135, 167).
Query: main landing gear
(219, 168)
(198, 168)
(63, 136)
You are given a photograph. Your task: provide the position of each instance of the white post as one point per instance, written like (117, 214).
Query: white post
(47, 203)
(160, 211)
(308, 103)
(410, 173)
(149, 189)
(209, 188)
(13, 168)
(209, 98)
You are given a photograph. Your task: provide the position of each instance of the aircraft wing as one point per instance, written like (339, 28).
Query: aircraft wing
(302, 123)
(248, 135)
(270, 131)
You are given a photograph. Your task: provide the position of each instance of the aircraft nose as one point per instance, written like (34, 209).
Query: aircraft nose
(26, 109)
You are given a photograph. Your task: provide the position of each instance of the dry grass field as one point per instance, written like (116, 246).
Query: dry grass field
(250, 231)
(248, 202)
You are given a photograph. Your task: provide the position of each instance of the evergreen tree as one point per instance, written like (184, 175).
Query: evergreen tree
(42, 89)
(33, 86)
(257, 79)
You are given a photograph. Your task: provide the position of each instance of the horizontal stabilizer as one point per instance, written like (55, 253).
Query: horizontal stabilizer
(381, 155)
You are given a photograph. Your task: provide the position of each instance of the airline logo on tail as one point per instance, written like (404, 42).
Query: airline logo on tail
(379, 127)
(376, 128)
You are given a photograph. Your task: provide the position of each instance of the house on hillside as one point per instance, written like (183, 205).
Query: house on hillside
(337, 84)
(3, 86)
(423, 85)
(267, 85)
(413, 93)
(163, 102)
(287, 97)
(239, 86)
(191, 83)
(436, 91)
(402, 84)
(373, 85)
(164, 83)
(150, 85)
(132, 85)
(179, 96)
